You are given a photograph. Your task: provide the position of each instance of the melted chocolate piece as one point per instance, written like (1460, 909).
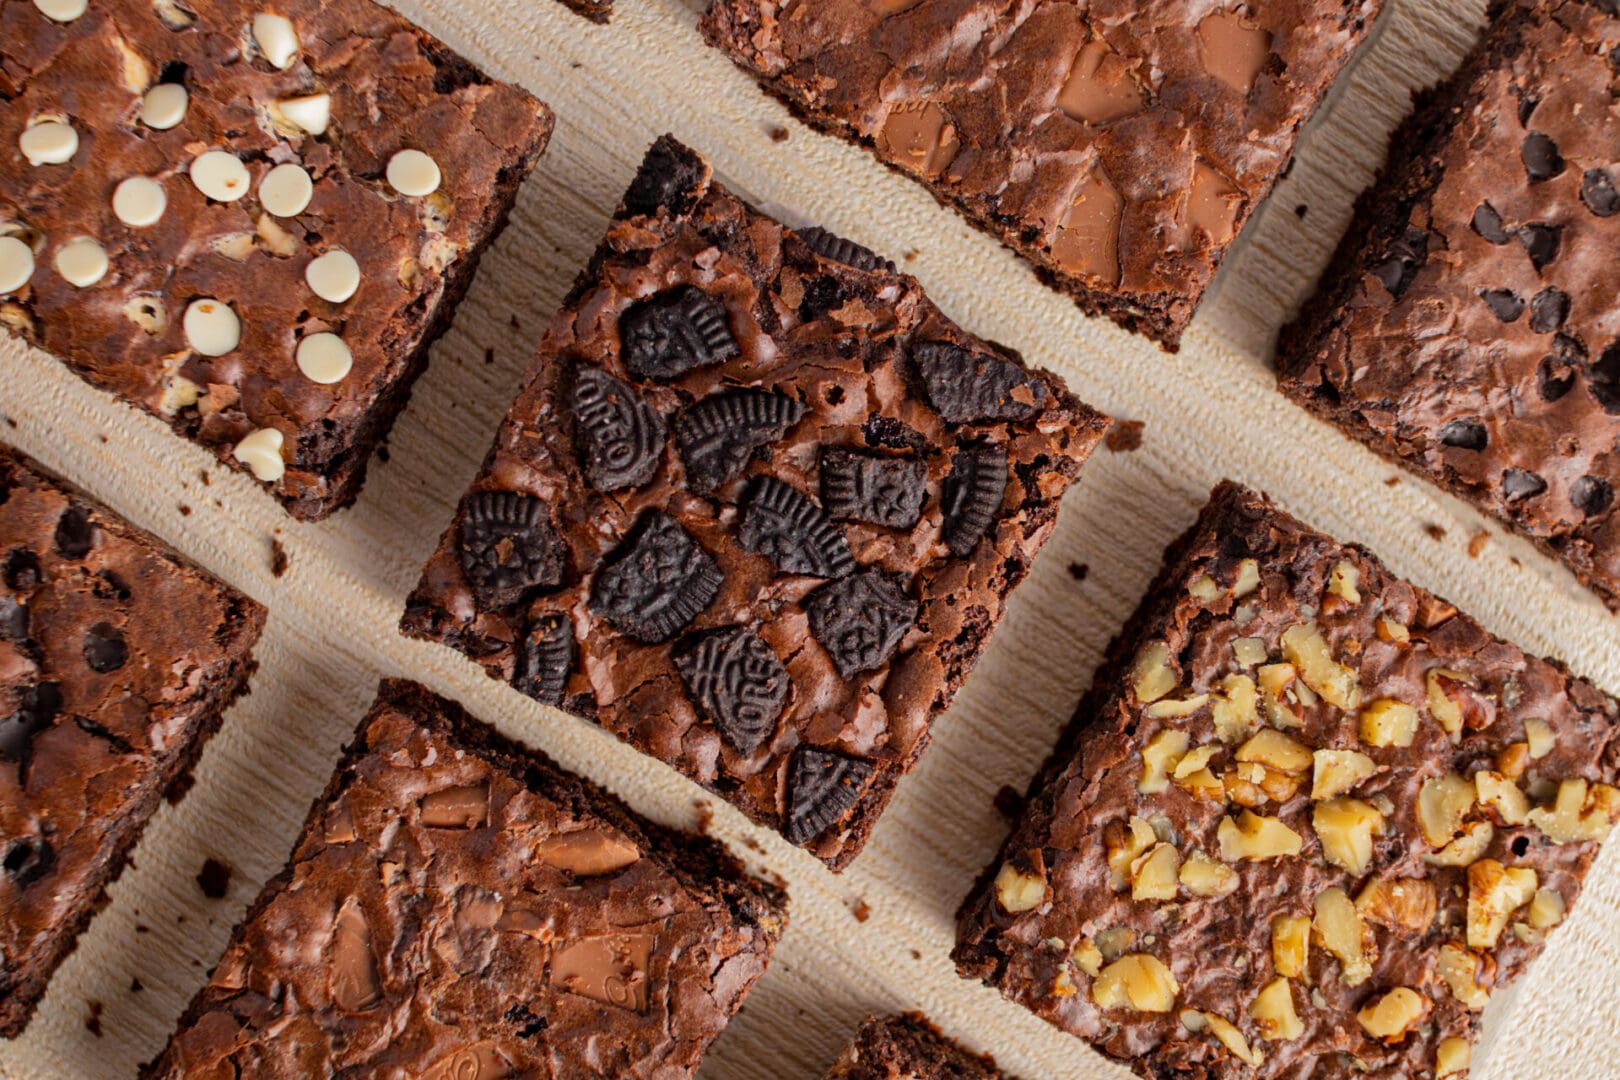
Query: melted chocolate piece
(621, 437)
(860, 620)
(874, 488)
(719, 435)
(37, 708)
(675, 332)
(658, 580)
(104, 648)
(972, 496)
(780, 522)
(546, 658)
(738, 684)
(968, 387)
(508, 546)
(822, 787)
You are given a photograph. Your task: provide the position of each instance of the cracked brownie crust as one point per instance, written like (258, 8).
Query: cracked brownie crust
(1118, 149)
(908, 1047)
(756, 509)
(458, 906)
(117, 659)
(250, 224)
(1308, 818)
(1467, 328)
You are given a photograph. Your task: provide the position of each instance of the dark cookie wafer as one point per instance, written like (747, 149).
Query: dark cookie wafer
(738, 684)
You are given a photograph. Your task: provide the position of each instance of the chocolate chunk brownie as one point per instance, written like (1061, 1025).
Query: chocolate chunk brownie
(1118, 149)
(117, 658)
(1467, 329)
(459, 906)
(908, 1047)
(1307, 820)
(249, 221)
(757, 508)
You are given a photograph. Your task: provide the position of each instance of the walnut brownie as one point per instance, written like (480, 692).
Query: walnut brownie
(458, 906)
(1468, 327)
(908, 1047)
(249, 220)
(117, 658)
(757, 508)
(1119, 149)
(1307, 820)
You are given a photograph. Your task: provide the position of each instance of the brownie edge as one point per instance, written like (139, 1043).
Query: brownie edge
(908, 1046)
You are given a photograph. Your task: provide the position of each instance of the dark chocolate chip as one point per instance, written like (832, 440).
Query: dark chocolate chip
(1541, 157)
(822, 787)
(1541, 242)
(972, 495)
(1555, 377)
(1519, 484)
(28, 859)
(656, 582)
(782, 523)
(508, 546)
(104, 648)
(1467, 434)
(621, 437)
(1599, 194)
(738, 684)
(674, 332)
(860, 620)
(1488, 223)
(545, 658)
(874, 488)
(1527, 107)
(1505, 304)
(832, 246)
(214, 879)
(21, 570)
(720, 434)
(13, 620)
(671, 177)
(1548, 310)
(74, 533)
(36, 710)
(1591, 495)
(886, 431)
(1604, 378)
(966, 387)
(1401, 262)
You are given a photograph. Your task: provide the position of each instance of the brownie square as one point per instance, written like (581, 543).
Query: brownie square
(1307, 820)
(1467, 328)
(757, 508)
(250, 223)
(908, 1047)
(1118, 148)
(459, 906)
(117, 658)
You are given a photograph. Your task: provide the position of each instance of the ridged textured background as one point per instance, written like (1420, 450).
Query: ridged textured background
(1210, 412)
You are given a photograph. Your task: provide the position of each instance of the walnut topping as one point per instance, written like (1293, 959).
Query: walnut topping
(1087, 957)
(1580, 813)
(1020, 890)
(1387, 722)
(1125, 845)
(1338, 927)
(1172, 708)
(1452, 1057)
(1476, 837)
(1151, 675)
(1539, 735)
(1502, 795)
(1305, 648)
(1204, 588)
(1443, 803)
(1402, 904)
(1248, 579)
(1254, 837)
(1231, 1038)
(1159, 756)
(1459, 970)
(1249, 651)
(1346, 828)
(1192, 773)
(1390, 1017)
(1280, 694)
(1154, 876)
(1290, 944)
(1451, 704)
(1207, 877)
(1494, 893)
(1513, 759)
(1273, 1011)
(1338, 771)
(1390, 630)
(1136, 981)
(1235, 710)
(1275, 750)
(1343, 580)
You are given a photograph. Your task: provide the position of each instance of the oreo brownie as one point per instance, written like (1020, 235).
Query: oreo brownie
(117, 658)
(1467, 329)
(908, 1047)
(458, 906)
(1307, 820)
(249, 221)
(757, 508)
(1119, 150)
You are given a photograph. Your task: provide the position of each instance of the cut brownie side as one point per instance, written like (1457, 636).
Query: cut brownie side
(908, 1047)
(757, 508)
(117, 659)
(1467, 328)
(250, 224)
(1120, 151)
(595, 10)
(460, 906)
(1307, 820)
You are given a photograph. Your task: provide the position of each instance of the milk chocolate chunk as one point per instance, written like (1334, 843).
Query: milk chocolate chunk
(1369, 813)
(905, 1046)
(822, 787)
(252, 220)
(117, 661)
(674, 332)
(756, 548)
(1507, 170)
(1121, 153)
(523, 922)
(508, 546)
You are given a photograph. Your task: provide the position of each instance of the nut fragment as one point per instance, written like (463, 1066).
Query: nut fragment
(1580, 813)
(1338, 771)
(1282, 695)
(1451, 703)
(1402, 904)
(1452, 1056)
(1231, 1038)
(1235, 710)
(1249, 651)
(1151, 674)
(1137, 981)
(1154, 878)
(1539, 734)
(1254, 837)
(1175, 707)
(1502, 795)
(1248, 579)
(1494, 893)
(1342, 582)
(1459, 970)
(1338, 927)
(1387, 722)
(1306, 648)
(1443, 803)
(1390, 630)
(1273, 1011)
(1019, 890)
(1204, 876)
(1125, 844)
(1476, 837)
(1390, 1017)
(1271, 747)
(1546, 909)
(1290, 944)
(1346, 828)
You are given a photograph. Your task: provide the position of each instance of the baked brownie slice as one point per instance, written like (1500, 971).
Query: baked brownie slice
(757, 508)
(1307, 820)
(1119, 150)
(1467, 329)
(907, 1047)
(249, 220)
(117, 658)
(594, 10)
(459, 906)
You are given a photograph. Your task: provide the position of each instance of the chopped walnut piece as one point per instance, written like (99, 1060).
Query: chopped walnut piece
(1452, 704)
(1406, 904)
(1207, 877)
(1539, 734)
(1338, 771)
(1159, 756)
(1278, 694)
(1513, 759)
(1087, 957)
(1254, 837)
(1154, 876)
(1272, 748)
(1248, 579)
(1346, 828)
(1476, 837)
(1390, 630)
(1452, 1057)
(1306, 648)
(1137, 981)
(1387, 722)
(1443, 803)
(1459, 970)
(1235, 709)
(1580, 813)
(1390, 1017)
(1273, 1011)
(1290, 944)
(1166, 708)
(1343, 580)
(1125, 844)
(1249, 651)
(1494, 893)
(1151, 675)
(1231, 1038)
(1502, 795)
(1338, 927)
(1205, 588)
(1020, 890)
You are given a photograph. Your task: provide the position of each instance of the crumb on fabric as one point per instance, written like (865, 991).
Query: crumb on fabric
(135, 985)
(1301, 210)
(1392, 481)
(705, 815)
(1435, 532)
(92, 1022)
(916, 954)
(1079, 570)
(1477, 542)
(779, 134)
(489, 354)
(860, 909)
(1008, 802)
(214, 879)
(279, 560)
(1124, 436)
(185, 510)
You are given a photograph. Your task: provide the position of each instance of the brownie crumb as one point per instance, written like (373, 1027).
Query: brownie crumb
(1008, 802)
(779, 134)
(861, 910)
(1124, 436)
(1301, 210)
(135, 985)
(1079, 570)
(214, 879)
(1435, 532)
(142, 928)
(185, 510)
(1392, 481)
(705, 816)
(202, 475)
(916, 954)
(515, 324)
(278, 558)
(92, 1022)
(1476, 544)
(382, 453)
(489, 354)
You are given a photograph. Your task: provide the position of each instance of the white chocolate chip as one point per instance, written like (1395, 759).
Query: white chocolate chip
(49, 142)
(260, 451)
(220, 176)
(139, 202)
(16, 264)
(164, 106)
(81, 262)
(211, 327)
(312, 113)
(285, 190)
(413, 173)
(324, 358)
(63, 11)
(334, 276)
(277, 39)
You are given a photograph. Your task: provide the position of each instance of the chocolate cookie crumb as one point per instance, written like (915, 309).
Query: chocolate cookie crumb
(1124, 436)
(214, 879)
